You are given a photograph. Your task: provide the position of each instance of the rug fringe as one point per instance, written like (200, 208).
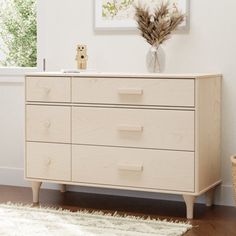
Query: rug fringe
(95, 213)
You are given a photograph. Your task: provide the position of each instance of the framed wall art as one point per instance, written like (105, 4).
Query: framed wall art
(119, 14)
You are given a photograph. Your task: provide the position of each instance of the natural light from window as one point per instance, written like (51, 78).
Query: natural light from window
(18, 33)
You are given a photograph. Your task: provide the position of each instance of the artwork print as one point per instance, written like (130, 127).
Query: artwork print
(119, 14)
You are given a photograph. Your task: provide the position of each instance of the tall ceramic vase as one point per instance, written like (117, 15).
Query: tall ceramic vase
(155, 60)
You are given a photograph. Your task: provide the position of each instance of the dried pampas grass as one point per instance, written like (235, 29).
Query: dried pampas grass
(158, 26)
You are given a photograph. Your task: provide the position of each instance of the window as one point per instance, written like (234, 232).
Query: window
(18, 33)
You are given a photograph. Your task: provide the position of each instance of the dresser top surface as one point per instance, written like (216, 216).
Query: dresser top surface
(124, 75)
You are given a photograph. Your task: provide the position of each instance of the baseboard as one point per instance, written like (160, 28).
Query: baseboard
(224, 195)
(15, 177)
(12, 176)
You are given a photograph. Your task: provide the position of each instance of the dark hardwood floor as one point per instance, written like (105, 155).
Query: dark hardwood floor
(212, 221)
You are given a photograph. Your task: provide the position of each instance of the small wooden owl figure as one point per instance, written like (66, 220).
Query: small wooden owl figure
(81, 57)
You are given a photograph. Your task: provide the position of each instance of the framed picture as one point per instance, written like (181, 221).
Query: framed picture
(119, 14)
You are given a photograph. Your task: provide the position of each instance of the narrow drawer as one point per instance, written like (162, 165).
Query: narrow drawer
(48, 89)
(48, 161)
(157, 92)
(145, 128)
(148, 169)
(48, 123)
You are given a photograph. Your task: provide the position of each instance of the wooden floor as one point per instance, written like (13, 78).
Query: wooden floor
(212, 221)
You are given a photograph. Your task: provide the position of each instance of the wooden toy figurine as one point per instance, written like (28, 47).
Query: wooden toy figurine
(81, 57)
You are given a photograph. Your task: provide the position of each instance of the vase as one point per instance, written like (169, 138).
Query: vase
(155, 60)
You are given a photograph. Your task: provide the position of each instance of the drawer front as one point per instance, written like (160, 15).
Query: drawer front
(48, 161)
(160, 92)
(48, 89)
(48, 123)
(151, 169)
(160, 129)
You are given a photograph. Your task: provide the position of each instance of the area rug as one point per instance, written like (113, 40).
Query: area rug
(19, 220)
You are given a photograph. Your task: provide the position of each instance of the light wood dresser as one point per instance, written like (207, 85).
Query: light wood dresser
(147, 132)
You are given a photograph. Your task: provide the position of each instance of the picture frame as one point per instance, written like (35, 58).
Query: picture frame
(106, 19)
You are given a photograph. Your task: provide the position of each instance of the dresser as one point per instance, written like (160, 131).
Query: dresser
(143, 132)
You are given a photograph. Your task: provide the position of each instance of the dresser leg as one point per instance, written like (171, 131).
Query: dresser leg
(189, 201)
(35, 190)
(63, 188)
(210, 197)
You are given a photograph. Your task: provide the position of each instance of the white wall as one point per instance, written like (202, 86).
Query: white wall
(208, 47)
(11, 130)
(12, 126)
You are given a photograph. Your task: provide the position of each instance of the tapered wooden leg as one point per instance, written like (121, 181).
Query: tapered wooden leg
(63, 188)
(35, 190)
(210, 197)
(189, 201)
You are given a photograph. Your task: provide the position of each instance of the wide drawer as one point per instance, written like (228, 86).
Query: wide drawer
(148, 169)
(157, 92)
(48, 123)
(145, 128)
(48, 89)
(48, 161)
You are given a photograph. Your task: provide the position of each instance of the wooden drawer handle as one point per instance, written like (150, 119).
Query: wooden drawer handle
(48, 162)
(130, 91)
(47, 124)
(46, 90)
(129, 167)
(130, 128)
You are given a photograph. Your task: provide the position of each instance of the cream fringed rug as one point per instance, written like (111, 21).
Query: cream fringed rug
(17, 220)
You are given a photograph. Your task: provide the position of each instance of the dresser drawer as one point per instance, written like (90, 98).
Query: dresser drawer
(48, 89)
(157, 92)
(145, 128)
(48, 161)
(48, 123)
(150, 169)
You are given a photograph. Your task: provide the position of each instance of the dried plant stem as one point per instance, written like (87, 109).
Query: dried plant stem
(156, 28)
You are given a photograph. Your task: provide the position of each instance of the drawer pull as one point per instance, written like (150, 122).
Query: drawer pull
(48, 162)
(130, 91)
(46, 90)
(47, 124)
(129, 167)
(130, 128)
